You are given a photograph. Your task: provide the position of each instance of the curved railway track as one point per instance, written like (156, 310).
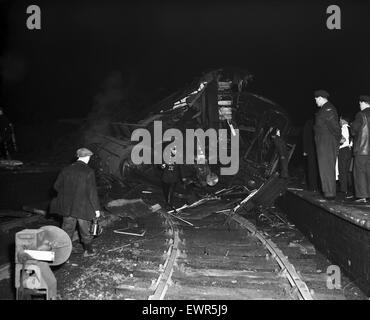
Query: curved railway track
(233, 261)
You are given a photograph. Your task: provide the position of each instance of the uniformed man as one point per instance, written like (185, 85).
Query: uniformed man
(77, 199)
(327, 137)
(282, 151)
(171, 175)
(360, 129)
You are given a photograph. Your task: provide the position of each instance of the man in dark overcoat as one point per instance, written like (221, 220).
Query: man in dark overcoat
(77, 199)
(360, 129)
(281, 148)
(327, 137)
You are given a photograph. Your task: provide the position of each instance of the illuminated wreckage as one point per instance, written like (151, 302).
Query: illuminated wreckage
(219, 99)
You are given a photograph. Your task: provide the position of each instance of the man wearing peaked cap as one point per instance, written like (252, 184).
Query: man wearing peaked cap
(321, 93)
(77, 199)
(360, 129)
(171, 175)
(365, 99)
(327, 138)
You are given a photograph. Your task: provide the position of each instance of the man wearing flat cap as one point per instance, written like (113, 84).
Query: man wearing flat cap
(77, 199)
(327, 138)
(360, 129)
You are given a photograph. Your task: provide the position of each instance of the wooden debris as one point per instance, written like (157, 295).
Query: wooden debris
(5, 271)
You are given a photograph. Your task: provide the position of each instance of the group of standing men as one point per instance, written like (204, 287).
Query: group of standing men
(333, 146)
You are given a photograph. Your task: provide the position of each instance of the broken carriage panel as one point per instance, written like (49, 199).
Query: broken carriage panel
(258, 119)
(268, 117)
(216, 100)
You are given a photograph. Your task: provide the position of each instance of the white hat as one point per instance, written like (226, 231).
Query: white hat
(83, 152)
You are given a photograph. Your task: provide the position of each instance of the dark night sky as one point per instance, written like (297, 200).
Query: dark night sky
(56, 71)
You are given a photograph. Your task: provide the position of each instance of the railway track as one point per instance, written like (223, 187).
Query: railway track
(234, 261)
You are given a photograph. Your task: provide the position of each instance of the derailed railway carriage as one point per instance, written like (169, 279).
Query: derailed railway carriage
(219, 99)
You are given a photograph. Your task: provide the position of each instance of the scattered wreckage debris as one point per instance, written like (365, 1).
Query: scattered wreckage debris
(307, 249)
(183, 220)
(10, 164)
(139, 232)
(5, 271)
(132, 208)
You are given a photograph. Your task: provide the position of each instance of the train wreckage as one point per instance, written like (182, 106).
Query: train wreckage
(218, 100)
(205, 245)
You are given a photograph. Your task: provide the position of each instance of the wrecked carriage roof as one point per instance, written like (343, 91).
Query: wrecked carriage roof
(255, 103)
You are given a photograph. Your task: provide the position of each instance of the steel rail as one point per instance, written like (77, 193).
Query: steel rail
(162, 283)
(287, 269)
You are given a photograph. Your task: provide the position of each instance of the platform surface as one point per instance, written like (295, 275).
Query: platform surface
(354, 213)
